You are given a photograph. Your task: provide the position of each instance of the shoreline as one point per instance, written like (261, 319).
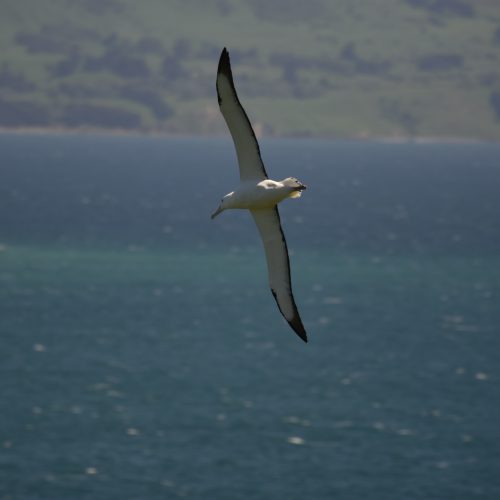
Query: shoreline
(86, 131)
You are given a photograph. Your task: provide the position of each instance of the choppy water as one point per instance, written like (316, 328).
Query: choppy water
(142, 355)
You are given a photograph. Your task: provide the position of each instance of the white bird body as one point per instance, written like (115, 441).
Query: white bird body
(259, 194)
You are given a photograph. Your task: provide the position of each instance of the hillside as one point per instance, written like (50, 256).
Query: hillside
(342, 69)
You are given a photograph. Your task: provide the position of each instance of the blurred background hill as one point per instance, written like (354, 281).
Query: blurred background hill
(341, 69)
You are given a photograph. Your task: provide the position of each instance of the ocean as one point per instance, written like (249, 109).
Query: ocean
(142, 355)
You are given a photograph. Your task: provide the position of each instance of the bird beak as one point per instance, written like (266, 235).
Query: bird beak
(216, 213)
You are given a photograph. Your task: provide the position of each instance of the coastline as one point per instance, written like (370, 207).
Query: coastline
(112, 132)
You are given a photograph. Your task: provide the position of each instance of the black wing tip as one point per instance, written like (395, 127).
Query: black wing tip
(224, 67)
(295, 322)
(298, 328)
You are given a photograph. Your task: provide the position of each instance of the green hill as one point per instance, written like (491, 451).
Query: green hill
(343, 68)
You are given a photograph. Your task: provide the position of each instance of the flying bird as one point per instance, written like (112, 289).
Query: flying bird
(259, 194)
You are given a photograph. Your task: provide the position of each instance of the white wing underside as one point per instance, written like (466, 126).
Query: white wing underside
(245, 142)
(278, 265)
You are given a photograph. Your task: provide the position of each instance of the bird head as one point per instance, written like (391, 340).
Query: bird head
(296, 187)
(293, 183)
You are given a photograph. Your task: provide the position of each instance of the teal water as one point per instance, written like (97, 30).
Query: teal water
(142, 355)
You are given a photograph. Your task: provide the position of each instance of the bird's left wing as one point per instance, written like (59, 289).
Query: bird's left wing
(278, 265)
(245, 142)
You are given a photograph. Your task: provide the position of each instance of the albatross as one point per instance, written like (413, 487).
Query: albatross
(259, 194)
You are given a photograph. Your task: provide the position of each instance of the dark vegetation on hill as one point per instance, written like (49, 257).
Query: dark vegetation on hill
(318, 68)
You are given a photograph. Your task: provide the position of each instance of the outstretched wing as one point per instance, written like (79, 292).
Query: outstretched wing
(245, 142)
(278, 266)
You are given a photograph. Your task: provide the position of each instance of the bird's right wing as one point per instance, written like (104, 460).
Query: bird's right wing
(245, 142)
(278, 266)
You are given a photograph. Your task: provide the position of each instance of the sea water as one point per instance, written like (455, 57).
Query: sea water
(142, 354)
